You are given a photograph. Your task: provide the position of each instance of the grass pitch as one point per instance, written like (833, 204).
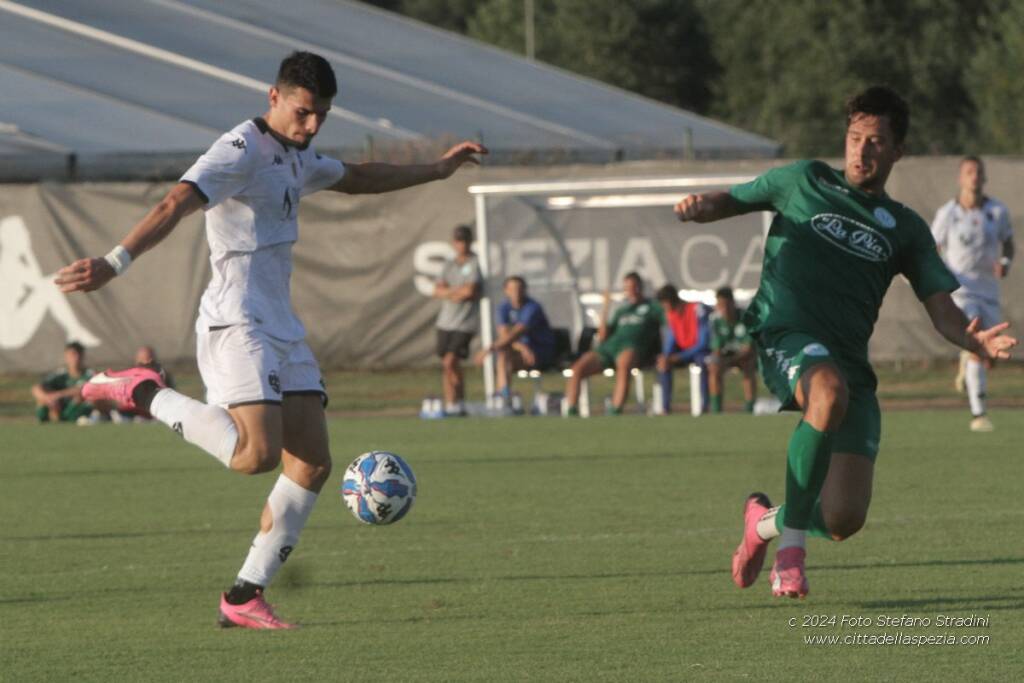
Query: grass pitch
(539, 549)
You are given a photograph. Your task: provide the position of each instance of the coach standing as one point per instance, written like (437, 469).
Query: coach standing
(459, 289)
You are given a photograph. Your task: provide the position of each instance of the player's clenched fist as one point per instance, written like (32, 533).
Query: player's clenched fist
(689, 207)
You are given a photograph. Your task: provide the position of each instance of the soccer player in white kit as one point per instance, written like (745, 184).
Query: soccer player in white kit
(265, 397)
(975, 238)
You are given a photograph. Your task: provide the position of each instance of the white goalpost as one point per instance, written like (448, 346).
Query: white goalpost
(594, 198)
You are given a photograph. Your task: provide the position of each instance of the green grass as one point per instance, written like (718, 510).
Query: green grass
(539, 549)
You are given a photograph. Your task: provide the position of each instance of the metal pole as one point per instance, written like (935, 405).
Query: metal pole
(486, 333)
(528, 29)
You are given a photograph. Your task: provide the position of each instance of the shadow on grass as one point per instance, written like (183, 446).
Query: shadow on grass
(975, 603)
(923, 563)
(119, 471)
(33, 599)
(560, 457)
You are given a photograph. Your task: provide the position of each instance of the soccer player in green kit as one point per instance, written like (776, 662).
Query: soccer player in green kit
(835, 244)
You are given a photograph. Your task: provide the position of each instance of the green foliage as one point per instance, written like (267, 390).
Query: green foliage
(788, 67)
(783, 68)
(995, 79)
(658, 48)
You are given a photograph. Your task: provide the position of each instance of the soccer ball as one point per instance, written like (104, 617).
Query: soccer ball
(379, 488)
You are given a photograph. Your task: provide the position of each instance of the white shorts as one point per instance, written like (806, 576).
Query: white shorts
(242, 365)
(984, 309)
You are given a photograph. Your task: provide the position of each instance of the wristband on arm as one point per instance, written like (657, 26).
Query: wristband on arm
(119, 259)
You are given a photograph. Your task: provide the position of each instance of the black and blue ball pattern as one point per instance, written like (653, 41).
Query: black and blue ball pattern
(379, 488)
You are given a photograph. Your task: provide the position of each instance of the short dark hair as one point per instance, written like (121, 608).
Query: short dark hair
(635, 276)
(516, 278)
(878, 100)
(970, 158)
(309, 71)
(668, 292)
(724, 293)
(75, 346)
(462, 233)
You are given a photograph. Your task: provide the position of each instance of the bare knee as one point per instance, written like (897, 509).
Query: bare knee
(845, 523)
(253, 458)
(827, 399)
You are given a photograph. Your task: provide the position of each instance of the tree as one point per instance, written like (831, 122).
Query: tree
(789, 65)
(995, 82)
(450, 15)
(658, 48)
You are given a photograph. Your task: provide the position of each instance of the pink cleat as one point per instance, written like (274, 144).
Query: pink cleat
(748, 559)
(788, 578)
(117, 387)
(254, 614)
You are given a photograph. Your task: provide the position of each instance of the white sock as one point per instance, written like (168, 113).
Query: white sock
(290, 505)
(975, 380)
(766, 528)
(792, 538)
(209, 427)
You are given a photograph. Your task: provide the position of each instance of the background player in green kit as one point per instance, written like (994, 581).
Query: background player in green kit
(835, 244)
(731, 347)
(632, 338)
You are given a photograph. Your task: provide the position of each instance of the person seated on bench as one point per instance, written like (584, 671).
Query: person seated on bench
(731, 347)
(631, 339)
(525, 339)
(685, 341)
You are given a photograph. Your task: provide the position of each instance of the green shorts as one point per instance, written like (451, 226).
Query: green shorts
(784, 356)
(608, 353)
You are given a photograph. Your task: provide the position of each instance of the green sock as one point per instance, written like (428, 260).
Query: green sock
(806, 467)
(716, 404)
(817, 526)
(748, 406)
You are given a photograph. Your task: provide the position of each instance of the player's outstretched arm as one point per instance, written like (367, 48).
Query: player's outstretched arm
(85, 275)
(954, 326)
(374, 178)
(708, 207)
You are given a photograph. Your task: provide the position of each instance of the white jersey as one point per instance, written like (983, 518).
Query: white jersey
(252, 184)
(971, 242)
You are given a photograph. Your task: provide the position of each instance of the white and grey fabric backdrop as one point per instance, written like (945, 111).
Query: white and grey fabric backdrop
(364, 265)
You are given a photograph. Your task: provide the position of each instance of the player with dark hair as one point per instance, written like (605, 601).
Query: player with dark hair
(525, 338)
(975, 238)
(835, 244)
(731, 347)
(58, 395)
(629, 340)
(685, 341)
(265, 395)
(459, 288)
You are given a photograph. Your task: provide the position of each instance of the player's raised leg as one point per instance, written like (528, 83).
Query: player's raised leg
(307, 465)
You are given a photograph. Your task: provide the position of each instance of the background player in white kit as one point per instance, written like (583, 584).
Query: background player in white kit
(975, 238)
(265, 396)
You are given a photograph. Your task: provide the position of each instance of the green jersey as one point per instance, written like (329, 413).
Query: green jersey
(729, 338)
(636, 326)
(61, 379)
(830, 254)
